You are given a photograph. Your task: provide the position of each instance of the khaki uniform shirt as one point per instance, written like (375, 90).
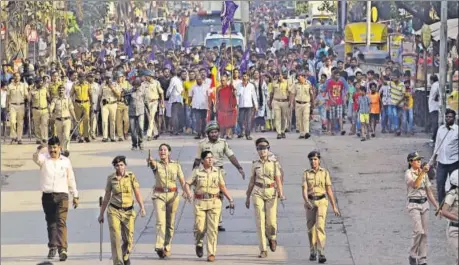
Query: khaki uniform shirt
(108, 94)
(303, 92)
(17, 93)
(219, 149)
(39, 98)
(81, 91)
(265, 173)
(280, 90)
(420, 192)
(166, 175)
(452, 199)
(61, 107)
(317, 182)
(122, 190)
(53, 89)
(152, 90)
(206, 182)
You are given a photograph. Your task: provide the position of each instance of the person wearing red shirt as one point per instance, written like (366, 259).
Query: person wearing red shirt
(335, 89)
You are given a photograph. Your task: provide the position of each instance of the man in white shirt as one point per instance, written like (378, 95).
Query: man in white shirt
(247, 103)
(57, 179)
(199, 95)
(326, 68)
(446, 151)
(174, 92)
(353, 68)
(434, 105)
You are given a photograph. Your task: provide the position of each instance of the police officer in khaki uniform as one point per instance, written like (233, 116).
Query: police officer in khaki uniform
(208, 182)
(418, 193)
(265, 186)
(53, 92)
(165, 197)
(95, 91)
(122, 111)
(280, 105)
(317, 187)
(81, 93)
(61, 109)
(39, 103)
(450, 211)
(16, 98)
(109, 99)
(219, 148)
(302, 96)
(155, 98)
(120, 190)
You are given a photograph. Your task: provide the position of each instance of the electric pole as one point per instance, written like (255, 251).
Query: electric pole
(53, 33)
(443, 59)
(368, 25)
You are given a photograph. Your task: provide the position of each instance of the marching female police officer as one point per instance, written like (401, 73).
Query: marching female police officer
(450, 210)
(165, 197)
(317, 187)
(208, 182)
(418, 192)
(120, 189)
(266, 179)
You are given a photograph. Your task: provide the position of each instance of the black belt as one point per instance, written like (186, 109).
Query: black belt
(81, 101)
(220, 167)
(63, 119)
(301, 102)
(419, 201)
(264, 186)
(17, 103)
(455, 224)
(281, 100)
(39, 108)
(316, 198)
(122, 208)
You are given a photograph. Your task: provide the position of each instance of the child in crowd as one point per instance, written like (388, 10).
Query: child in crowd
(321, 103)
(364, 113)
(350, 104)
(375, 108)
(386, 101)
(355, 107)
(407, 116)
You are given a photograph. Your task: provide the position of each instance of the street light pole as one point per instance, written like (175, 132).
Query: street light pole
(443, 59)
(53, 33)
(368, 25)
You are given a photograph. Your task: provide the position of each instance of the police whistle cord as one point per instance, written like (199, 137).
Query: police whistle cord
(292, 228)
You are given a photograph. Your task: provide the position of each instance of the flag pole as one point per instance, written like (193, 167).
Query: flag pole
(231, 51)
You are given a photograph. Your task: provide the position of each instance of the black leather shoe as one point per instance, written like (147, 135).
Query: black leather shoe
(279, 136)
(127, 261)
(313, 257)
(160, 253)
(322, 259)
(221, 228)
(272, 245)
(52, 253)
(62, 255)
(412, 260)
(307, 136)
(199, 251)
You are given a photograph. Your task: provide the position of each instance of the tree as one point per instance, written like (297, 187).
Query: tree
(302, 8)
(427, 12)
(327, 6)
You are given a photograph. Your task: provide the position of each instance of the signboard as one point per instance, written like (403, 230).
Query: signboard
(409, 63)
(374, 14)
(395, 42)
(426, 35)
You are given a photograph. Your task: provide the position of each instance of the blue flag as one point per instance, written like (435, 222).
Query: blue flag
(245, 61)
(127, 44)
(227, 15)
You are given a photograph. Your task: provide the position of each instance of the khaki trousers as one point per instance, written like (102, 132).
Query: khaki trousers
(316, 219)
(280, 116)
(108, 120)
(63, 133)
(82, 110)
(302, 112)
(152, 128)
(207, 213)
(166, 205)
(122, 120)
(16, 121)
(419, 214)
(40, 123)
(452, 236)
(93, 123)
(121, 225)
(266, 217)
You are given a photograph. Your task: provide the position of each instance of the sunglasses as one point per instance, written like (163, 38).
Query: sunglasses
(262, 147)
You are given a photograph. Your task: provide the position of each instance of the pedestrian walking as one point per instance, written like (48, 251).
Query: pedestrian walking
(136, 101)
(219, 148)
(121, 188)
(265, 187)
(165, 197)
(208, 182)
(317, 191)
(418, 193)
(57, 180)
(446, 151)
(450, 211)
(17, 97)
